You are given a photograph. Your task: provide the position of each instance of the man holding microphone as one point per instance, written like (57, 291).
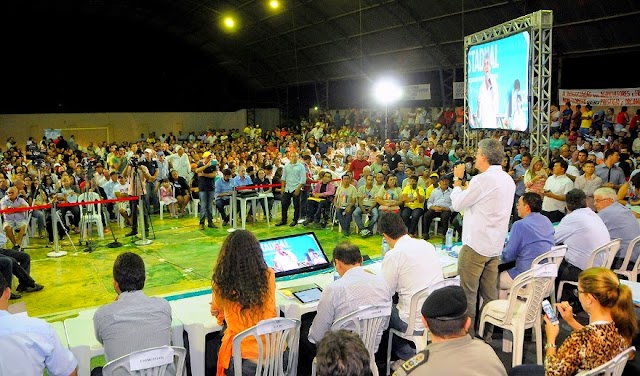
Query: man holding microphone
(486, 202)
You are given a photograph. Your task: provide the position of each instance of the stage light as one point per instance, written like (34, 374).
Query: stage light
(316, 108)
(387, 91)
(274, 4)
(229, 22)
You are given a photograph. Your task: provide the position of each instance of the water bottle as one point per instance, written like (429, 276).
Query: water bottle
(448, 243)
(385, 246)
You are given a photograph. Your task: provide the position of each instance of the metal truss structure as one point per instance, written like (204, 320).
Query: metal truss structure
(539, 24)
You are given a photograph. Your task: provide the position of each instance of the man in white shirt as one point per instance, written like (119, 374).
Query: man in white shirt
(355, 288)
(582, 231)
(486, 202)
(555, 189)
(410, 266)
(488, 99)
(180, 163)
(30, 345)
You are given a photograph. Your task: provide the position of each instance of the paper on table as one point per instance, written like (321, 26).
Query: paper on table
(635, 290)
(446, 260)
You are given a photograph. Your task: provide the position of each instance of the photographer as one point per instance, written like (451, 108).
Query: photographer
(137, 176)
(151, 164)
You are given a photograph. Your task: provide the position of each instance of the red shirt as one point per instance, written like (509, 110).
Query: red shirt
(633, 124)
(357, 166)
(622, 118)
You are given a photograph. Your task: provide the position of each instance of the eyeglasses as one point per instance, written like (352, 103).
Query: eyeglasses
(601, 199)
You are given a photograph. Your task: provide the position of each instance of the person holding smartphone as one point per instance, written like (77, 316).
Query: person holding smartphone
(612, 326)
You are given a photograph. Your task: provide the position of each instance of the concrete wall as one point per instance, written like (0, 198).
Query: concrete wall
(119, 126)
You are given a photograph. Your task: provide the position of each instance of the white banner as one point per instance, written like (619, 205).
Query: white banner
(601, 97)
(416, 92)
(458, 90)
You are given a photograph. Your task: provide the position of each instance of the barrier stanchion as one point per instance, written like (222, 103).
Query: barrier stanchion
(54, 227)
(141, 224)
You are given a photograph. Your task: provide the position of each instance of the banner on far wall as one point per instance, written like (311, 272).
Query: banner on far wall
(52, 134)
(416, 92)
(601, 97)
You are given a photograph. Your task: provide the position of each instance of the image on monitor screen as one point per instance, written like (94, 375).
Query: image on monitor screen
(498, 83)
(294, 254)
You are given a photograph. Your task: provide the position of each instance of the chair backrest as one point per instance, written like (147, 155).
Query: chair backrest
(88, 197)
(150, 362)
(273, 336)
(369, 321)
(627, 257)
(555, 255)
(614, 367)
(603, 256)
(529, 288)
(414, 308)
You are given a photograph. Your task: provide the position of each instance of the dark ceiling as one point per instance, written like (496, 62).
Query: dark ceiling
(77, 55)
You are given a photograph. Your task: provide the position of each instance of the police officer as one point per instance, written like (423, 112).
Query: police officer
(452, 350)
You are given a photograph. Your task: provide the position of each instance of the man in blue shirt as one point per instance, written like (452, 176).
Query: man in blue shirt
(223, 192)
(620, 222)
(30, 345)
(293, 180)
(438, 205)
(530, 237)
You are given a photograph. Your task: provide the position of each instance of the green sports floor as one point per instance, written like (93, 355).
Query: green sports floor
(180, 260)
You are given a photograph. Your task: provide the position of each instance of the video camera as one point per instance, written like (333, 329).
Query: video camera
(87, 164)
(35, 156)
(134, 162)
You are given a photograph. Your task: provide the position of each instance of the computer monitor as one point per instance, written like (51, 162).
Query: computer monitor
(294, 254)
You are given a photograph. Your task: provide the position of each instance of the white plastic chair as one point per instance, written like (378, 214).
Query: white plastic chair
(368, 322)
(519, 312)
(419, 337)
(633, 273)
(555, 256)
(601, 257)
(614, 367)
(90, 214)
(274, 336)
(194, 207)
(134, 363)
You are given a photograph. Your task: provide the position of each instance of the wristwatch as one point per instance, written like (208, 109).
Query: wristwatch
(549, 346)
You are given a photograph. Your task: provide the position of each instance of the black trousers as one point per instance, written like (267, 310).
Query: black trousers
(554, 216)
(568, 272)
(20, 265)
(287, 198)
(429, 215)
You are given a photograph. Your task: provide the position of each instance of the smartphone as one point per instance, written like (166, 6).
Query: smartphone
(550, 312)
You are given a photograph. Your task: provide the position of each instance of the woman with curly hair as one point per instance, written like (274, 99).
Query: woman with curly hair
(243, 289)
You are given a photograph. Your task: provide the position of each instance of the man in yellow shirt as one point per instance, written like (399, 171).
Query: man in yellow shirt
(587, 119)
(413, 198)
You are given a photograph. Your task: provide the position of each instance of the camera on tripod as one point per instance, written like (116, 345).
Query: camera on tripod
(134, 162)
(35, 156)
(87, 164)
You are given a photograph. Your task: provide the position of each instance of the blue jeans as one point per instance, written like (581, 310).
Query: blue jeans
(400, 346)
(373, 218)
(344, 219)
(206, 206)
